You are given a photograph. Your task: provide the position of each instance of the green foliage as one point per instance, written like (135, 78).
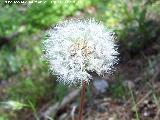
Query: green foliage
(134, 104)
(20, 60)
(28, 89)
(33, 108)
(60, 92)
(89, 93)
(36, 16)
(52, 12)
(10, 15)
(155, 7)
(13, 105)
(128, 20)
(119, 90)
(3, 117)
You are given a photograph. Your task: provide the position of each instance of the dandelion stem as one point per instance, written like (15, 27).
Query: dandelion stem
(82, 100)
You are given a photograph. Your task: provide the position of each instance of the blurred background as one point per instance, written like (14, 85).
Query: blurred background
(27, 89)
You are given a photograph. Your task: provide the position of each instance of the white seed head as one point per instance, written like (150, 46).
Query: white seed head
(75, 47)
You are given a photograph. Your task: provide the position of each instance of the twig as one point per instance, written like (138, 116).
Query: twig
(73, 112)
(141, 100)
(52, 110)
(156, 76)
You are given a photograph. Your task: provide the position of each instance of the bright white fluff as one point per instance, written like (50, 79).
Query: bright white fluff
(75, 47)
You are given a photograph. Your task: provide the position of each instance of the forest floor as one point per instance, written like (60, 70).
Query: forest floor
(133, 92)
(138, 84)
(139, 90)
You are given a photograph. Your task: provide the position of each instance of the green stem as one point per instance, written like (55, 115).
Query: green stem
(134, 102)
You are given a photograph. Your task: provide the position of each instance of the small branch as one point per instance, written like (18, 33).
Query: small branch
(53, 110)
(156, 76)
(73, 112)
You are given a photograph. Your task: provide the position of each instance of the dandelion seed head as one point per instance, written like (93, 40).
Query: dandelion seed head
(74, 47)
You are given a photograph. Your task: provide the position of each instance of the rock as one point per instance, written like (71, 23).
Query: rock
(100, 85)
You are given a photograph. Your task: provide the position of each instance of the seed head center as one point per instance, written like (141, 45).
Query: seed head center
(81, 48)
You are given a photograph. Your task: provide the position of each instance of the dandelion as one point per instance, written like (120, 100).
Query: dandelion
(74, 48)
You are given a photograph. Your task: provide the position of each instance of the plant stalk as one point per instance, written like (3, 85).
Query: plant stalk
(83, 91)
